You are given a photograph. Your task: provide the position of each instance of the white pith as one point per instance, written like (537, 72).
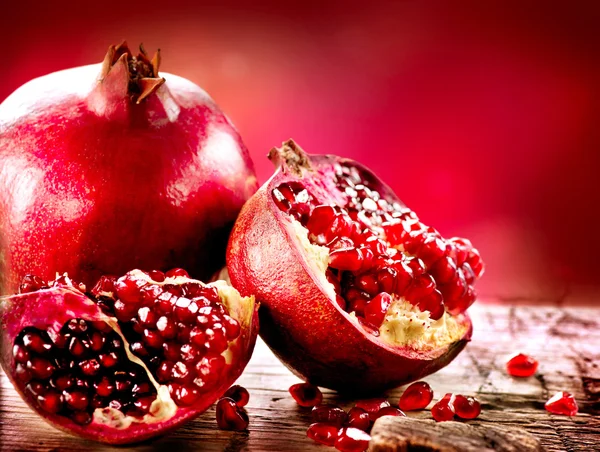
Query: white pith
(404, 324)
(164, 407)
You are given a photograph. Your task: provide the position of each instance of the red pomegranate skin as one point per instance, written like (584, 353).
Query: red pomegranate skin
(310, 333)
(57, 305)
(93, 183)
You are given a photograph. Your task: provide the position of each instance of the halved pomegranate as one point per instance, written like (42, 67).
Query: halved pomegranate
(172, 347)
(357, 294)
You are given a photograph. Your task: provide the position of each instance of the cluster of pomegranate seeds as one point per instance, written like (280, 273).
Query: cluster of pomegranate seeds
(379, 248)
(416, 397)
(562, 403)
(464, 407)
(238, 394)
(306, 395)
(81, 368)
(521, 365)
(179, 328)
(231, 416)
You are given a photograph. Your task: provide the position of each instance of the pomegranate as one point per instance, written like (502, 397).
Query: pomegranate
(113, 166)
(521, 365)
(351, 439)
(238, 394)
(135, 358)
(388, 411)
(416, 397)
(562, 403)
(358, 418)
(372, 406)
(321, 433)
(357, 294)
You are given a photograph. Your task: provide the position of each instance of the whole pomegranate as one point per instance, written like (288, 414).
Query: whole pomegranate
(109, 167)
(356, 293)
(135, 357)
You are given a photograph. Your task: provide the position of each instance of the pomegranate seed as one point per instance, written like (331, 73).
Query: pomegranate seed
(521, 365)
(306, 395)
(238, 394)
(40, 368)
(421, 286)
(22, 373)
(166, 328)
(372, 406)
(562, 403)
(346, 259)
(443, 410)
(352, 440)
(416, 397)
(20, 354)
(90, 367)
(368, 283)
(51, 402)
(329, 414)
(432, 303)
(63, 382)
(177, 272)
(35, 343)
(143, 404)
(466, 407)
(230, 416)
(81, 417)
(368, 327)
(320, 219)
(323, 433)
(186, 395)
(32, 283)
(105, 387)
(358, 418)
(376, 309)
(109, 360)
(389, 411)
(76, 400)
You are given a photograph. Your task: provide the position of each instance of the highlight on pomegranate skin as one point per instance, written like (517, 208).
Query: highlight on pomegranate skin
(125, 167)
(131, 359)
(521, 365)
(340, 264)
(562, 403)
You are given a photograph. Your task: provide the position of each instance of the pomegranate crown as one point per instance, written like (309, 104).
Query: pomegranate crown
(143, 79)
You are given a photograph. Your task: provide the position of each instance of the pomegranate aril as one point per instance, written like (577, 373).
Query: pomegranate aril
(358, 418)
(186, 395)
(372, 406)
(20, 354)
(76, 400)
(238, 394)
(562, 403)
(35, 343)
(90, 367)
(105, 387)
(521, 365)
(230, 416)
(32, 283)
(109, 360)
(466, 407)
(22, 373)
(444, 270)
(329, 414)
(421, 286)
(321, 433)
(388, 411)
(40, 368)
(320, 219)
(81, 417)
(416, 397)
(432, 303)
(368, 283)
(443, 410)
(352, 440)
(177, 272)
(143, 403)
(305, 394)
(63, 382)
(346, 259)
(51, 401)
(376, 309)
(128, 289)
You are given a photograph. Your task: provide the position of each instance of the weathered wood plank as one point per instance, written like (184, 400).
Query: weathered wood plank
(565, 340)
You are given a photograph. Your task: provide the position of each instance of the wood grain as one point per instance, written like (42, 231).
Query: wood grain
(565, 340)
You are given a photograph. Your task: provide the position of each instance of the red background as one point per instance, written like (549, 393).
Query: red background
(484, 116)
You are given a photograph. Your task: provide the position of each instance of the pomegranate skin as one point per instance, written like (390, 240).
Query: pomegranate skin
(93, 183)
(50, 308)
(307, 330)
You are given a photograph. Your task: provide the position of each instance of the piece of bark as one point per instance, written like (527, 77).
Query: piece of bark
(403, 434)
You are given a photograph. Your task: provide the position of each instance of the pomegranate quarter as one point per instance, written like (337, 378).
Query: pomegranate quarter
(356, 293)
(138, 357)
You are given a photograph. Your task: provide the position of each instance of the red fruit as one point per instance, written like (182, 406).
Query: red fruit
(239, 394)
(443, 410)
(329, 414)
(372, 406)
(352, 440)
(388, 411)
(323, 433)
(358, 418)
(123, 168)
(562, 403)
(521, 365)
(231, 416)
(306, 395)
(466, 407)
(65, 354)
(416, 397)
(333, 255)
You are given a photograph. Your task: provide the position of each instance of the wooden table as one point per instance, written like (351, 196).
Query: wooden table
(566, 341)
